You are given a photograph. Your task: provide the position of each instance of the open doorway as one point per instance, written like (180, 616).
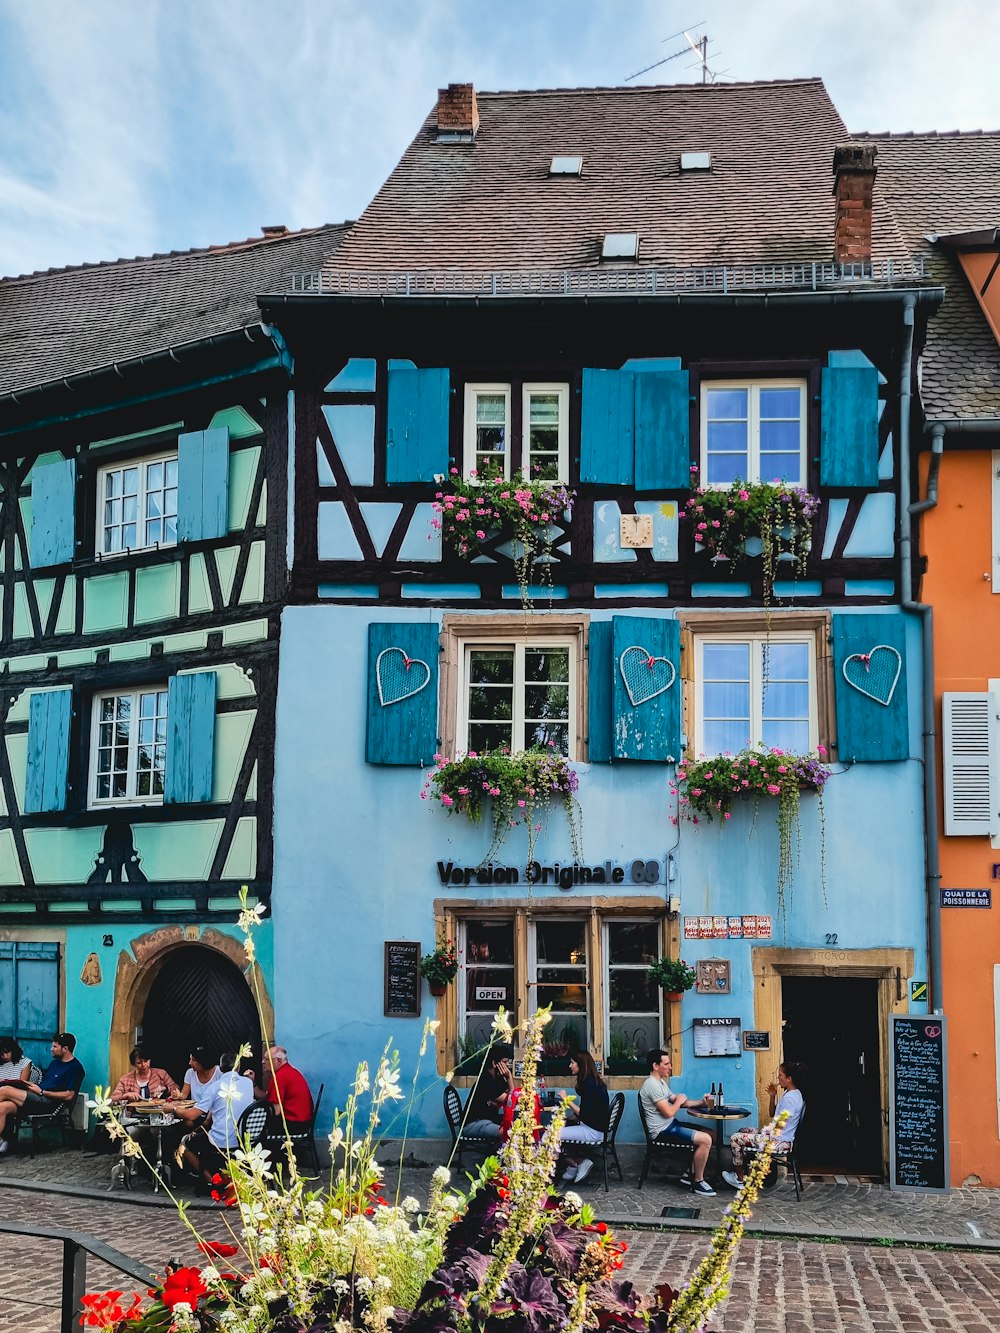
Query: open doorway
(198, 997)
(831, 1024)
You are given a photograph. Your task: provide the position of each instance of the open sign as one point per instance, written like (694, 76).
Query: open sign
(491, 993)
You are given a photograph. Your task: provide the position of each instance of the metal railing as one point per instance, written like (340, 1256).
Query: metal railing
(76, 1246)
(609, 281)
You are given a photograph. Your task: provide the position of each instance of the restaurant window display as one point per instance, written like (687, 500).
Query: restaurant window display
(635, 1016)
(487, 949)
(560, 979)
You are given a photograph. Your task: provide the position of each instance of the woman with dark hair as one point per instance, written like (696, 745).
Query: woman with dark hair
(14, 1067)
(791, 1075)
(591, 1118)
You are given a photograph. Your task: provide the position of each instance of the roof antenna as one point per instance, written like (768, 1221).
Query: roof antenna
(698, 45)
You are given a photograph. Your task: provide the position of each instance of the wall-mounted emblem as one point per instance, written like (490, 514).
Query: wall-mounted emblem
(874, 674)
(645, 676)
(399, 677)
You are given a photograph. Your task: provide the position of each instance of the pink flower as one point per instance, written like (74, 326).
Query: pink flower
(744, 495)
(463, 791)
(522, 804)
(480, 533)
(446, 799)
(774, 789)
(821, 749)
(727, 815)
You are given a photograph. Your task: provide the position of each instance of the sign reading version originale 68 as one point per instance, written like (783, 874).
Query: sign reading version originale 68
(640, 871)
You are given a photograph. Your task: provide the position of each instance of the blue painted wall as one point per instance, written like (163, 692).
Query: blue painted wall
(356, 851)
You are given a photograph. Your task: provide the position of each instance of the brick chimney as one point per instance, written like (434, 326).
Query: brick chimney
(457, 111)
(854, 168)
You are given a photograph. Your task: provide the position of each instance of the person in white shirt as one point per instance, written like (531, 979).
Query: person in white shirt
(790, 1077)
(660, 1106)
(207, 1149)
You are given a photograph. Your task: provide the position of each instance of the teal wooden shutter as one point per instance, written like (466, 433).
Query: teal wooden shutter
(869, 661)
(203, 484)
(662, 430)
(607, 427)
(190, 738)
(29, 995)
(53, 511)
(402, 692)
(599, 690)
(849, 422)
(50, 713)
(646, 691)
(416, 424)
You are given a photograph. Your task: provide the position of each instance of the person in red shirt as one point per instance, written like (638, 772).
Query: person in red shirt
(287, 1090)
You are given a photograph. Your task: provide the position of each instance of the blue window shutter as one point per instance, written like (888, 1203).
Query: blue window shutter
(646, 723)
(53, 511)
(599, 703)
(662, 430)
(203, 484)
(402, 692)
(190, 738)
(867, 727)
(849, 422)
(29, 995)
(416, 424)
(607, 427)
(49, 716)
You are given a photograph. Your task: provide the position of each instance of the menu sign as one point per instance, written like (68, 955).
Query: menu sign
(402, 979)
(918, 1104)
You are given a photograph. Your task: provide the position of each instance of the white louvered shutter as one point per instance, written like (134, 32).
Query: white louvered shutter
(971, 759)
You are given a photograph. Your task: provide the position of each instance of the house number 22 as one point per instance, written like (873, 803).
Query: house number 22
(831, 941)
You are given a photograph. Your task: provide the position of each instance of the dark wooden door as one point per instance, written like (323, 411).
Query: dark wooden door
(198, 998)
(831, 1025)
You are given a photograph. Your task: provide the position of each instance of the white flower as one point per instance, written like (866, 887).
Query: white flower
(501, 1025)
(336, 1138)
(573, 1201)
(387, 1084)
(361, 1081)
(363, 1284)
(411, 1205)
(441, 1175)
(209, 1274)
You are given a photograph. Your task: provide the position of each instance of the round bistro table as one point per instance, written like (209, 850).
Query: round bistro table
(718, 1116)
(155, 1115)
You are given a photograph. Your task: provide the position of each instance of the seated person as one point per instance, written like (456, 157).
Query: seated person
(496, 1081)
(590, 1120)
(790, 1076)
(199, 1088)
(60, 1083)
(286, 1091)
(207, 1149)
(15, 1067)
(143, 1080)
(660, 1106)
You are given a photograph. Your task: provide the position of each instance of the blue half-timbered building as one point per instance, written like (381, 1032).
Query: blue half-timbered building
(630, 293)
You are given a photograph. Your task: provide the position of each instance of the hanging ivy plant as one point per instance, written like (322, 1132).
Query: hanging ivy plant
(519, 788)
(469, 511)
(723, 520)
(706, 789)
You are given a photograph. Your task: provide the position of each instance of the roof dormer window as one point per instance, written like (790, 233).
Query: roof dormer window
(566, 166)
(620, 245)
(696, 161)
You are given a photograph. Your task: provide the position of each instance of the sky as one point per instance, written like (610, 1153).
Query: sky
(131, 127)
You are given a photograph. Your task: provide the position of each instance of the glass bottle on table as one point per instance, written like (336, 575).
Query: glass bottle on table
(710, 1100)
(722, 1101)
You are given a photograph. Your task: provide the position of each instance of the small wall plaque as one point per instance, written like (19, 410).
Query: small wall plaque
(637, 531)
(755, 1040)
(714, 976)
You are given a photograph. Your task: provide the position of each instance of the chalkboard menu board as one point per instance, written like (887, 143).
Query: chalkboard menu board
(918, 1104)
(402, 979)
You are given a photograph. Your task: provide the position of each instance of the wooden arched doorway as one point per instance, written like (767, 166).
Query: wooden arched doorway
(198, 997)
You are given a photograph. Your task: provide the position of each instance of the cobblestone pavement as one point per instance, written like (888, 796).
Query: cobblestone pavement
(787, 1285)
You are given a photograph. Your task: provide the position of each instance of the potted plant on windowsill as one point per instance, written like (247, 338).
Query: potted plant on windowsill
(728, 522)
(707, 788)
(626, 1052)
(521, 786)
(440, 967)
(673, 975)
(476, 512)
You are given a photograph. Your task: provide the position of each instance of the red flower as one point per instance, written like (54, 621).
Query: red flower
(186, 1285)
(104, 1309)
(220, 1248)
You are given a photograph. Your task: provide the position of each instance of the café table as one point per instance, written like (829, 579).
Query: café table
(156, 1115)
(718, 1117)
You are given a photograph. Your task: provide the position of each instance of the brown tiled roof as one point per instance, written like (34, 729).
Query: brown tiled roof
(938, 184)
(491, 204)
(65, 321)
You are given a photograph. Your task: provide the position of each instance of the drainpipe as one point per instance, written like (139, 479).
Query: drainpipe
(908, 511)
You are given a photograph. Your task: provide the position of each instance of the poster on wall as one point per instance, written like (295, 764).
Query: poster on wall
(716, 1036)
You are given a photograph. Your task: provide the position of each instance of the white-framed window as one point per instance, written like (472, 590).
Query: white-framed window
(753, 430)
(137, 505)
(634, 1004)
(517, 694)
(486, 950)
(559, 976)
(487, 430)
(129, 746)
(545, 432)
(538, 450)
(755, 689)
